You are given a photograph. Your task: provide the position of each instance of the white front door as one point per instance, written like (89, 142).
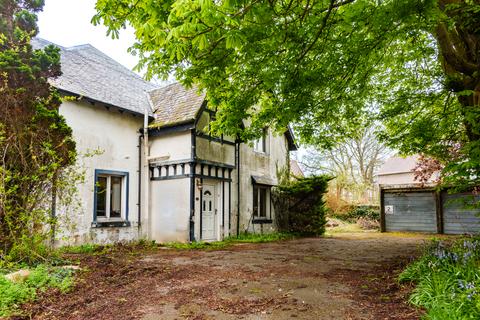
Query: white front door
(208, 212)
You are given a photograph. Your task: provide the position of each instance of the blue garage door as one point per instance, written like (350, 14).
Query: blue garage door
(410, 211)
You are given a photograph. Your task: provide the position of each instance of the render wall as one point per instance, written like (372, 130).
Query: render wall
(114, 136)
(170, 210)
(170, 147)
(215, 151)
(396, 178)
(254, 163)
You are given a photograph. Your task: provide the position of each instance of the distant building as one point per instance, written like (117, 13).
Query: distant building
(399, 171)
(295, 169)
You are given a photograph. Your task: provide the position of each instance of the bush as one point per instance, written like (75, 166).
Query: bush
(447, 278)
(368, 224)
(364, 212)
(299, 205)
(335, 205)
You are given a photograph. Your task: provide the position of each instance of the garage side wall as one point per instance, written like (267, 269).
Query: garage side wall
(458, 218)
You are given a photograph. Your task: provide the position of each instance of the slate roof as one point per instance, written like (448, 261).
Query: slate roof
(88, 72)
(174, 104)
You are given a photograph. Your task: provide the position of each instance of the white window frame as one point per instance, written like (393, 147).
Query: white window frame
(261, 144)
(268, 208)
(124, 195)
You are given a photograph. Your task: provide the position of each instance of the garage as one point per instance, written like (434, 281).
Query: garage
(416, 209)
(408, 205)
(410, 211)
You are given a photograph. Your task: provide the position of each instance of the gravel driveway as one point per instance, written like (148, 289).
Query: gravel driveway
(346, 276)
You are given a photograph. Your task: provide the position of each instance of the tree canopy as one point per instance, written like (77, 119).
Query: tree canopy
(326, 66)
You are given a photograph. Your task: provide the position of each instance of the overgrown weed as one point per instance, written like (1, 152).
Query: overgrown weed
(229, 241)
(41, 278)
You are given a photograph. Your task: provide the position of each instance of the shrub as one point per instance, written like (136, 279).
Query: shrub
(447, 278)
(87, 248)
(260, 238)
(368, 224)
(36, 143)
(364, 212)
(299, 205)
(335, 205)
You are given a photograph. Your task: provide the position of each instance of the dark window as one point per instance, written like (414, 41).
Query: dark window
(260, 198)
(101, 196)
(263, 203)
(260, 145)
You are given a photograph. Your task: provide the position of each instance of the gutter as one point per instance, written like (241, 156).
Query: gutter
(238, 188)
(146, 178)
(192, 185)
(105, 104)
(139, 204)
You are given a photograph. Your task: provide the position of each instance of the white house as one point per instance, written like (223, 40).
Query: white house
(157, 174)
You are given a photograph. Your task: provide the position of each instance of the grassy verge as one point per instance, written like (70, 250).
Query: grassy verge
(143, 245)
(42, 277)
(447, 279)
(242, 238)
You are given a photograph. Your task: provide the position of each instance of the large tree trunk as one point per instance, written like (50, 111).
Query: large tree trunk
(459, 43)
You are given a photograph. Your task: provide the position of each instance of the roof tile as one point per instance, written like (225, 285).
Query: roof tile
(174, 104)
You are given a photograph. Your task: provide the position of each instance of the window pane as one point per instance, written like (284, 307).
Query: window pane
(255, 201)
(263, 202)
(264, 140)
(116, 197)
(101, 189)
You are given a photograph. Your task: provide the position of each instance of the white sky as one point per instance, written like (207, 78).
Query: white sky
(67, 23)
